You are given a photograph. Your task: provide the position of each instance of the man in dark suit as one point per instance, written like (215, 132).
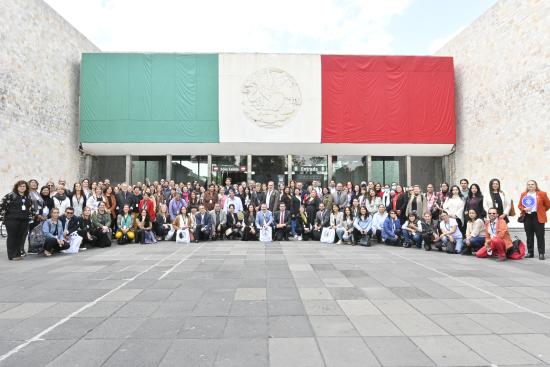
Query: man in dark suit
(322, 220)
(69, 221)
(272, 197)
(204, 225)
(282, 223)
(123, 197)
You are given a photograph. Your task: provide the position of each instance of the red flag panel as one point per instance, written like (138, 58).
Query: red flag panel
(388, 99)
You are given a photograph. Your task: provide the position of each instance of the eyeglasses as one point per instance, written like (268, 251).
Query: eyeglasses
(492, 213)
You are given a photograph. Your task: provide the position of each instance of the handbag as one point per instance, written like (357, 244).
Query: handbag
(265, 234)
(327, 236)
(364, 241)
(74, 244)
(182, 236)
(512, 209)
(37, 239)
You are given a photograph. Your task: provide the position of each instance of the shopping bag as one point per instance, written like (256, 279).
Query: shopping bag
(170, 233)
(327, 236)
(265, 234)
(182, 236)
(74, 244)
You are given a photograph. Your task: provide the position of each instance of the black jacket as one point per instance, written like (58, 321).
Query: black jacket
(74, 224)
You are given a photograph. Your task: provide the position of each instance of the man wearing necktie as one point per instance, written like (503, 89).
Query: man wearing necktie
(204, 225)
(282, 223)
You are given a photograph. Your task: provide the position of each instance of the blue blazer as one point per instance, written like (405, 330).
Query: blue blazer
(390, 228)
(260, 219)
(48, 228)
(207, 221)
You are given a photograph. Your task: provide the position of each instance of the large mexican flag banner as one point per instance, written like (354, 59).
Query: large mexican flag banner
(272, 98)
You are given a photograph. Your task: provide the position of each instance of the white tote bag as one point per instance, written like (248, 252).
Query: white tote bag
(327, 236)
(265, 234)
(74, 243)
(182, 236)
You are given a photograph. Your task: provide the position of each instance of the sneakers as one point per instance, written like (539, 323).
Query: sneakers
(299, 238)
(339, 242)
(83, 248)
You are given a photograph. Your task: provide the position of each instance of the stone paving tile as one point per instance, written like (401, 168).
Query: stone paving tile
(332, 326)
(374, 325)
(191, 352)
(315, 293)
(459, 325)
(86, 353)
(294, 352)
(39, 353)
(243, 353)
(500, 324)
(322, 307)
(208, 327)
(285, 308)
(116, 328)
(25, 310)
(346, 352)
(448, 351)
(397, 351)
(139, 353)
(289, 327)
(536, 344)
(246, 327)
(250, 294)
(416, 324)
(498, 350)
(358, 307)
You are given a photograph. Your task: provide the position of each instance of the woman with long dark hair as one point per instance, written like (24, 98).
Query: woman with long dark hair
(16, 212)
(249, 227)
(474, 201)
(497, 199)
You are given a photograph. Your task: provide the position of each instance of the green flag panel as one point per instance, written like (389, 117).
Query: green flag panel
(141, 98)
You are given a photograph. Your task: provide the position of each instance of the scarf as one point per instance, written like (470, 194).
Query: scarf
(61, 197)
(304, 218)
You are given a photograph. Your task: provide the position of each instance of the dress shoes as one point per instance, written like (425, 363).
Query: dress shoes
(529, 256)
(541, 256)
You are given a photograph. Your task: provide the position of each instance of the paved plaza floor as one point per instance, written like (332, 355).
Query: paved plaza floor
(281, 305)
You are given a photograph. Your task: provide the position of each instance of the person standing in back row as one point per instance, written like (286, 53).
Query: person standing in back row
(16, 213)
(534, 204)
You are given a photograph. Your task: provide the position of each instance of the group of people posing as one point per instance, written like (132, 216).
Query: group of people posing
(458, 218)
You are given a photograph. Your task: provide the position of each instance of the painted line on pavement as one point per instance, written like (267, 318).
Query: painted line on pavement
(39, 336)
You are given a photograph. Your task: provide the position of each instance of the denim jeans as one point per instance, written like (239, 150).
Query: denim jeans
(293, 227)
(477, 242)
(458, 243)
(415, 239)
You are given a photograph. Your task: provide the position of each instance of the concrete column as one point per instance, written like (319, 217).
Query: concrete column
(289, 168)
(369, 168)
(446, 174)
(209, 174)
(87, 166)
(168, 167)
(409, 170)
(329, 169)
(128, 169)
(248, 168)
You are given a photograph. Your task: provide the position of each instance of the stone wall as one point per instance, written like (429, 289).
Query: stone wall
(39, 83)
(502, 66)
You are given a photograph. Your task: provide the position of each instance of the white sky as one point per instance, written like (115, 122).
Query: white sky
(310, 26)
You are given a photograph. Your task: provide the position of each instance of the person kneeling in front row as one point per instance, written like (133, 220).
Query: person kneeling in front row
(450, 234)
(497, 238)
(203, 225)
(282, 223)
(53, 231)
(412, 231)
(392, 229)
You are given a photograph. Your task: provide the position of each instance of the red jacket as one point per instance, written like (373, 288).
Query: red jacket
(501, 232)
(150, 209)
(543, 204)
